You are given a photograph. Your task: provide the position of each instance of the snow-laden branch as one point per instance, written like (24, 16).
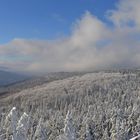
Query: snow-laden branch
(135, 137)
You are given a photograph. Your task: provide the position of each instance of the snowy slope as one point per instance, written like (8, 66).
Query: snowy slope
(103, 106)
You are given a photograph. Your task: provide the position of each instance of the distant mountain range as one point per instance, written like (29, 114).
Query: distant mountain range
(7, 78)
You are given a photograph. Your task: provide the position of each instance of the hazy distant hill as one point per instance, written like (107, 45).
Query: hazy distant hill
(7, 77)
(35, 81)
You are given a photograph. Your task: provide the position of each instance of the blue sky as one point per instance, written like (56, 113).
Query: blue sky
(45, 19)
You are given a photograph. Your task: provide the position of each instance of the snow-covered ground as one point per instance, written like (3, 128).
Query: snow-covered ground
(94, 106)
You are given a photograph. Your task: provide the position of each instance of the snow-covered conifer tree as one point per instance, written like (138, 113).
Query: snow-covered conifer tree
(40, 133)
(12, 117)
(69, 130)
(88, 133)
(22, 127)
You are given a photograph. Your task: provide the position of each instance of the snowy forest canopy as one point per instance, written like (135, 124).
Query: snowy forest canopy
(93, 106)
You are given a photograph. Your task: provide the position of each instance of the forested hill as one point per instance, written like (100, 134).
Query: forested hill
(93, 106)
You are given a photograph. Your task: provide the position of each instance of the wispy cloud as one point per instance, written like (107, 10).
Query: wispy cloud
(91, 45)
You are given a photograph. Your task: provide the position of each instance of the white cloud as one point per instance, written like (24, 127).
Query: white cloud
(127, 13)
(92, 45)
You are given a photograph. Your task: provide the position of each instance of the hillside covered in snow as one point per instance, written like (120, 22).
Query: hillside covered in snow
(91, 106)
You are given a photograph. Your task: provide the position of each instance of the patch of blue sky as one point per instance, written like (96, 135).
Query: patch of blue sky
(46, 19)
